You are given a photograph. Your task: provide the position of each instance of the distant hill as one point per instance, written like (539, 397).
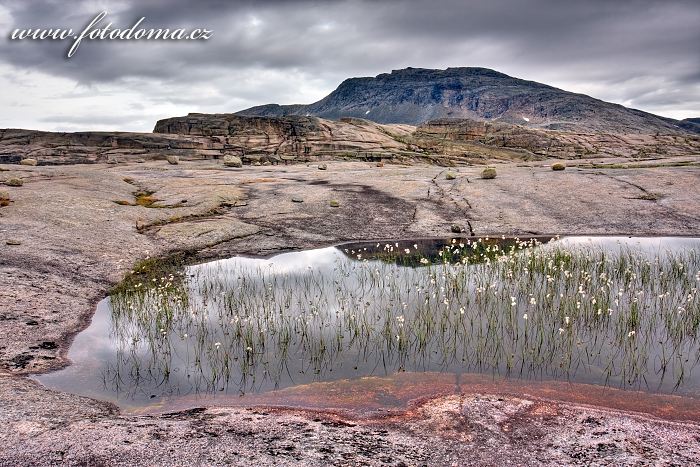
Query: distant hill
(417, 95)
(691, 124)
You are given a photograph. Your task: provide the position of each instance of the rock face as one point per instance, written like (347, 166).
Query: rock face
(450, 136)
(274, 140)
(49, 148)
(416, 95)
(497, 134)
(254, 140)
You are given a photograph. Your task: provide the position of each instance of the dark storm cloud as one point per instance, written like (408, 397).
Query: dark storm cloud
(641, 53)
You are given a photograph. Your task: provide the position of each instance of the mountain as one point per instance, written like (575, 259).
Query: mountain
(417, 95)
(691, 124)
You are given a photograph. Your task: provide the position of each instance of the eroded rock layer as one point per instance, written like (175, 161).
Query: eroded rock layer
(274, 140)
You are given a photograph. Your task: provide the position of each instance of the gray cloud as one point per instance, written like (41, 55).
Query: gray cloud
(641, 53)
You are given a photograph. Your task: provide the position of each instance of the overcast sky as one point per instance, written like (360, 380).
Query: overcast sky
(639, 53)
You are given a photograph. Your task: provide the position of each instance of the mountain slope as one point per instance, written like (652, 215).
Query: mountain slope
(417, 95)
(691, 124)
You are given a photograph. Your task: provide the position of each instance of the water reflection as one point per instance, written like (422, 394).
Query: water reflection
(609, 311)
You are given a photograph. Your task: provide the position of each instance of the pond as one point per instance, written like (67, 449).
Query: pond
(611, 311)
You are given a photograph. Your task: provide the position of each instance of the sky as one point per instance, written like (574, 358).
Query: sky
(639, 53)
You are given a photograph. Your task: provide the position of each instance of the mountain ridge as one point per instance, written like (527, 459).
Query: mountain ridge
(418, 95)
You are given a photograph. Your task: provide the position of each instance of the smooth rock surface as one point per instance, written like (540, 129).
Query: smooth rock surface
(76, 243)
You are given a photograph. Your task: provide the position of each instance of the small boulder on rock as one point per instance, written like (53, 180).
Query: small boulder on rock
(4, 198)
(297, 199)
(456, 228)
(322, 167)
(558, 166)
(173, 160)
(31, 162)
(450, 176)
(232, 161)
(14, 182)
(488, 173)
(334, 203)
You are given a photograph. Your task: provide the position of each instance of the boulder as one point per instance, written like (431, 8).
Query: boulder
(31, 162)
(232, 161)
(558, 166)
(14, 182)
(334, 203)
(173, 160)
(4, 198)
(450, 176)
(488, 173)
(322, 167)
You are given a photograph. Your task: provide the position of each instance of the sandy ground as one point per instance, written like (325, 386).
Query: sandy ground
(75, 242)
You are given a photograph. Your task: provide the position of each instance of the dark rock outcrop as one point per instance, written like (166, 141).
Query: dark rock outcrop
(417, 95)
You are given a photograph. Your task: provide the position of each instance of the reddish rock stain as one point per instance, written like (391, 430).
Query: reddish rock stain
(401, 395)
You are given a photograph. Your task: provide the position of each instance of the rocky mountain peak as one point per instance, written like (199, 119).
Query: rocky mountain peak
(417, 95)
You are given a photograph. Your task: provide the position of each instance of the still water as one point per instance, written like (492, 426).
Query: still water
(611, 311)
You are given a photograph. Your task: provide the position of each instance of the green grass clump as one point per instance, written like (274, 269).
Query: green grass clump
(149, 271)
